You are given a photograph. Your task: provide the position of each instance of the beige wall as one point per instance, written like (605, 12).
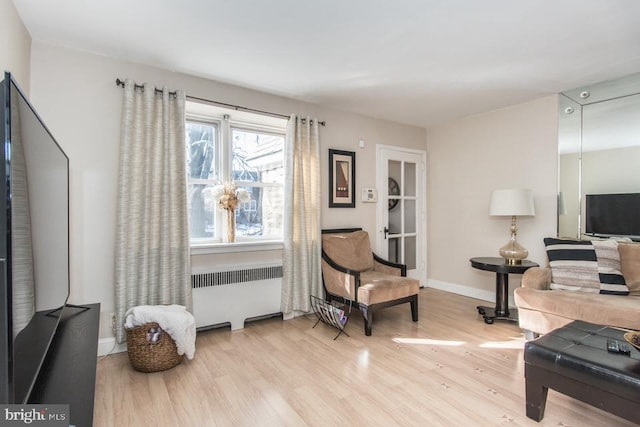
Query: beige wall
(76, 95)
(515, 147)
(15, 47)
(611, 171)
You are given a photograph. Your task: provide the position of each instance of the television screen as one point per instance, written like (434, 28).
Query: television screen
(613, 214)
(36, 246)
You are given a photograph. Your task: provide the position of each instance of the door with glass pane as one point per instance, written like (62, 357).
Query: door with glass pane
(401, 215)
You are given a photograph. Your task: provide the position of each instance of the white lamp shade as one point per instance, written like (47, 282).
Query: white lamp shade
(512, 202)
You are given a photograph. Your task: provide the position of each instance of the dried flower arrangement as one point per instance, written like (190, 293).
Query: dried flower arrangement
(229, 196)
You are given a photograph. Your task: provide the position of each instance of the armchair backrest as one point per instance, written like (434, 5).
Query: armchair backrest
(349, 249)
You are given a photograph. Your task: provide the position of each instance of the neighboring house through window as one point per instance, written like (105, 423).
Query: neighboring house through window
(226, 145)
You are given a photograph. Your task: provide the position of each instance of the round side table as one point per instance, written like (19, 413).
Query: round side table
(502, 269)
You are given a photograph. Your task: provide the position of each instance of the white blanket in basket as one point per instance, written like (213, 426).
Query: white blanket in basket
(173, 319)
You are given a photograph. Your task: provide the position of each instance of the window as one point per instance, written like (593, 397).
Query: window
(247, 149)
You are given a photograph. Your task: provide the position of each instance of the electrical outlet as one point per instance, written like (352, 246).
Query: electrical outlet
(113, 323)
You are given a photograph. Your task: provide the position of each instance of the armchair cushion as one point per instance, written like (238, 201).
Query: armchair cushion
(376, 287)
(350, 250)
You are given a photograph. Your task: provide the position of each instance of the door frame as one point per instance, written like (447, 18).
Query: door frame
(382, 208)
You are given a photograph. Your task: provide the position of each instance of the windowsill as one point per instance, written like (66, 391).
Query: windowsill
(221, 248)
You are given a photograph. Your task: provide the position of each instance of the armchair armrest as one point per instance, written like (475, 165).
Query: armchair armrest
(385, 266)
(537, 278)
(337, 266)
(339, 280)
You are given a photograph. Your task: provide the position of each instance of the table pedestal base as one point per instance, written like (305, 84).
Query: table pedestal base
(502, 269)
(490, 314)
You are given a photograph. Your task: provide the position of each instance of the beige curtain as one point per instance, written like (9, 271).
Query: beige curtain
(152, 240)
(302, 250)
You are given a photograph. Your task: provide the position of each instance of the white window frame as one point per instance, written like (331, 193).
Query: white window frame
(226, 120)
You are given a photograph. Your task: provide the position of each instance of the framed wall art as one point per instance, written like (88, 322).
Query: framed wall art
(342, 179)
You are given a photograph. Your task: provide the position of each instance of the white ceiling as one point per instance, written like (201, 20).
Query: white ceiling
(420, 62)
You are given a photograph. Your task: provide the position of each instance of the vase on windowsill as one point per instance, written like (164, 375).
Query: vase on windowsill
(231, 226)
(228, 197)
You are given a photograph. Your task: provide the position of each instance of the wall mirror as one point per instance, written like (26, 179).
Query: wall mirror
(598, 147)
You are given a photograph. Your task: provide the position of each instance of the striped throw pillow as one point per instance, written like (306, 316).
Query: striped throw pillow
(588, 266)
(609, 268)
(574, 265)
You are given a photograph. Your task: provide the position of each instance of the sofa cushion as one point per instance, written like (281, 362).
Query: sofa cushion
(630, 265)
(541, 310)
(588, 266)
(350, 250)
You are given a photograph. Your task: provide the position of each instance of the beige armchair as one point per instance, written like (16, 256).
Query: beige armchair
(354, 275)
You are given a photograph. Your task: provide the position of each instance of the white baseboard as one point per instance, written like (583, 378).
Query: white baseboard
(109, 346)
(106, 345)
(466, 291)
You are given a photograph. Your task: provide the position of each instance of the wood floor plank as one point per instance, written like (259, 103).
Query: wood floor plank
(448, 369)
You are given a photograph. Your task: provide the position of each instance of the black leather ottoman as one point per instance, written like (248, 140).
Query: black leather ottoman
(573, 360)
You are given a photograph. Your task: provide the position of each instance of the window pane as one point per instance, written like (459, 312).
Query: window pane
(262, 215)
(257, 156)
(201, 149)
(410, 257)
(202, 211)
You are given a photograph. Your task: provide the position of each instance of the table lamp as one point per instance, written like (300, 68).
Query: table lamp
(513, 203)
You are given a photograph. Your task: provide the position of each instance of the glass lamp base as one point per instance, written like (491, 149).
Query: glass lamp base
(513, 253)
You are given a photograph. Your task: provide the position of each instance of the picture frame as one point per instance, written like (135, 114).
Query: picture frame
(342, 179)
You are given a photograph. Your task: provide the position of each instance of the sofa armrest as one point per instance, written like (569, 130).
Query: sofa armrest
(537, 278)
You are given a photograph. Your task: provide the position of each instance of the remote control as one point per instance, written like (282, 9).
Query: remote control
(614, 346)
(624, 349)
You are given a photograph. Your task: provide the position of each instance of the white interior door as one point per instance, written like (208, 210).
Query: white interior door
(401, 215)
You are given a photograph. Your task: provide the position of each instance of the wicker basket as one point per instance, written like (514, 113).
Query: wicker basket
(151, 349)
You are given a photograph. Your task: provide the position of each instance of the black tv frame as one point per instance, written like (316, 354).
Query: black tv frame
(22, 357)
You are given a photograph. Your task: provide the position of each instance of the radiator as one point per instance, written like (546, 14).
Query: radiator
(231, 294)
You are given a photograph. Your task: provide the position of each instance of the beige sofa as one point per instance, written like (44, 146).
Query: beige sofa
(542, 310)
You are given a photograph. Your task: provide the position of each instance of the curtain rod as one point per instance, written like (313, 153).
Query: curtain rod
(120, 82)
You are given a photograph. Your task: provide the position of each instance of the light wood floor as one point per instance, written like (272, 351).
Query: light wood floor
(449, 369)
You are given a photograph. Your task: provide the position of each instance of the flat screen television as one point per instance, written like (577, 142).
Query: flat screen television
(34, 248)
(613, 215)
